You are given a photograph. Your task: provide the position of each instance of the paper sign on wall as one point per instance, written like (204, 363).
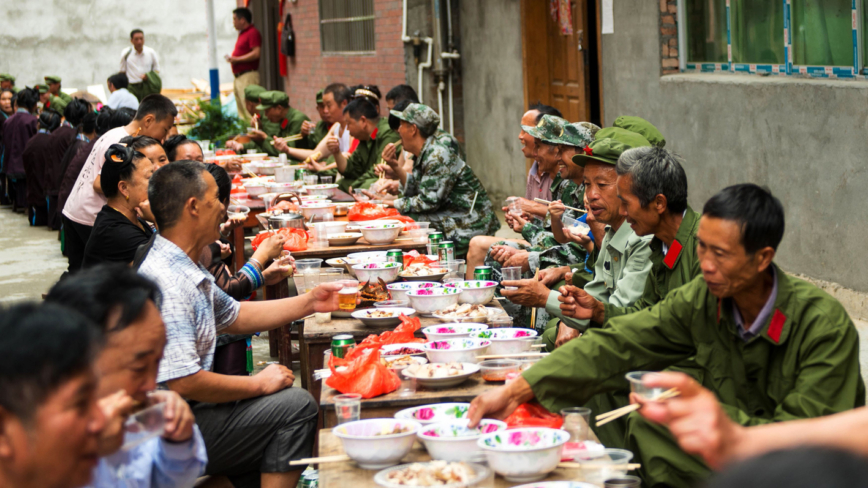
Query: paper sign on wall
(608, 17)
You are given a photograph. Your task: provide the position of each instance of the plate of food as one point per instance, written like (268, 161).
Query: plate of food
(422, 272)
(382, 317)
(347, 239)
(400, 362)
(438, 412)
(433, 473)
(393, 351)
(464, 312)
(440, 375)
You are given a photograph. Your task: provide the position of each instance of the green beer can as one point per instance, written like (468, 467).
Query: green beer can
(340, 343)
(395, 256)
(446, 251)
(435, 237)
(482, 273)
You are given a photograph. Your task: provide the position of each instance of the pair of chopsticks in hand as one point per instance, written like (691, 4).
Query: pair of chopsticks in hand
(296, 137)
(605, 418)
(540, 200)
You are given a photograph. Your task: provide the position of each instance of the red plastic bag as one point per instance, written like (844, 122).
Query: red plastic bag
(296, 239)
(413, 257)
(402, 334)
(365, 374)
(369, 211)
(533, 415)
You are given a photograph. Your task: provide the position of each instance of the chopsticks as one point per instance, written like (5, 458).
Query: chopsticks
(540, 200)
(605, 418)
(572, 465)
(321, 460)
(514, 355)
(296, 137)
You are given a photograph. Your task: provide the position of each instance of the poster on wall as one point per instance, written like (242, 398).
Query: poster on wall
(608, 17)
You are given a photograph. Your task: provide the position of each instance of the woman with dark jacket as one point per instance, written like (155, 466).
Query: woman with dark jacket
(17, 131)
(61, 140)
(36, 156)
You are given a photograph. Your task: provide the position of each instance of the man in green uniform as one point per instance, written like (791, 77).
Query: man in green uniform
(284, 121)
(315, 133)
(373, 133)
(335, 98)
(441, 189)
(53, 83)
(44, 95)
(259, 125)
(772, 347)
(7, 82)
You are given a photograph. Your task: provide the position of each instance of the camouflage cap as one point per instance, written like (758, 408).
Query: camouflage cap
(548, 129)
(7, 77)
(253, 92)
(268, 99)
(641, 126)
(422, 116)
(608, 145)
(52, 79)
(319, 96)
(576, 135)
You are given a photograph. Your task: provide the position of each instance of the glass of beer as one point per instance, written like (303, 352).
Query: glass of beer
(348, 294)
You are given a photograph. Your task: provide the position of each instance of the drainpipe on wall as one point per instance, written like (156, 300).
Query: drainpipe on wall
(408, 39)
(212, 52)
(451, 55)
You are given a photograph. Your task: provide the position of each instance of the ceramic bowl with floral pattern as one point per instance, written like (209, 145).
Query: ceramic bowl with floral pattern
(454, 441)
(524, 455)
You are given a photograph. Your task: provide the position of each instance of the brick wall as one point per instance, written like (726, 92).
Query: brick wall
(668, 37)
(310, 71)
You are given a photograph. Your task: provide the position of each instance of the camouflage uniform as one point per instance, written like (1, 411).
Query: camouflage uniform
(289, 126)
(442, 188)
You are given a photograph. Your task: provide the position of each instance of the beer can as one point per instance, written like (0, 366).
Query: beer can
(311, 480)
(435, 237)
(299, 174)
(340, 343)
(446, 251)
(395, 256)
(482, 273)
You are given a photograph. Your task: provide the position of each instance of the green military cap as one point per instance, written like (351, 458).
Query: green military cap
(422, 116)
(576, 135)
(7, 77)
(319, 96)
(548, 129)
(641, 126)
(269, 99)
(253, 92)
(52, 79)
(608, 145)
(41, 88)
(57, 104)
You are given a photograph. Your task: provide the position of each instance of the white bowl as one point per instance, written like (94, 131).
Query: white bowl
(311, 198)
(480, 474)
(456, 350)
(369, 257)
(317, 210)
(507, 340)
(451, 331)
(476, 292)
(281, 187)
(524, 455)
(327, 190)
(430, 300)
(468, 370)
(438, 412)
(380, 233)
(266, 167)
(254, 156)
(256, 189)
(389, 350)
(387, 271)
(372, 451)
(395, 319)
(344, 239)
(399, 290)
(453, 441)
(336, 227)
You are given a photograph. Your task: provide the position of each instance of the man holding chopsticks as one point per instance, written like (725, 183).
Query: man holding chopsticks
(285, 123)
(771, 347)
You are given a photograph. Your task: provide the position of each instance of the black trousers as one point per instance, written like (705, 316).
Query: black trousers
(76, 236)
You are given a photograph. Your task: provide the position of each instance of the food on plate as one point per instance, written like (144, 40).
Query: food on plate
(435, 473)
(401, 362)
(378, 314)
(420, 269)
(413, 257)
(284, 206)
(375, 292)
(438, 370)
(463, 311)
(395, 429)
(406, 350)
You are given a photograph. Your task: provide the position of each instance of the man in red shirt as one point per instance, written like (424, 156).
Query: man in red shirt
(245, 57)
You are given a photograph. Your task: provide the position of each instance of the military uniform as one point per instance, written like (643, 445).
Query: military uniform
(66, 98)
(442, 189)
(359, 172)
(8, 77)
(803, 363)
(289, 126)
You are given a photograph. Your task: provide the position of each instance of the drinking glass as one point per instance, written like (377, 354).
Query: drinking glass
(512, 273)
(251, 151)
(599, 466)
(361, 196)
(408, 383)
(432, 248)
(320, 235)
(143, 426)
(326, 180)
(348, 407)
(310, 180)
(577, 422)
(348, 294)
(311, 279)
(330, 275)
(281, 158)
(515, 208)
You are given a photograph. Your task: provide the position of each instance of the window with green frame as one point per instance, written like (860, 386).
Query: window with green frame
(821, 32)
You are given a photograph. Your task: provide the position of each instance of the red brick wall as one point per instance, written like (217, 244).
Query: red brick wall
(309, 71)
(668, 37)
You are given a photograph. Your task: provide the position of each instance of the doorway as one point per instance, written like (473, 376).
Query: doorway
(266, 17)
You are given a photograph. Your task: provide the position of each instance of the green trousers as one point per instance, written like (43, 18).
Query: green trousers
(664, 464)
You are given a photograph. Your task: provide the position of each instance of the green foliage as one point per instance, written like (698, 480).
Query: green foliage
(214, 125)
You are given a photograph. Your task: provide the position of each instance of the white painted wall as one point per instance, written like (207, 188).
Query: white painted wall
(81, 40)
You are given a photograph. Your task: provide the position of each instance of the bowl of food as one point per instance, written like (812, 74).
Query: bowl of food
(342, 208)
(377, 443)
(440, 375)
(317, 210)
(392, 351)
(430, 300)
(254, 156)
(475, 292)
(399, 290)
(498, 369)
(434, 473)
(507, 340)
(237, 211)
(454, 441)
(451, 331)
(347, 239)
(524, 455)
(275, 187)
(380, 233)
(462, 313)
(327, 190)
(382, 317)
(256, 188)
(423, 272)
(438, 412)
(345, 263)
(388, 272)
(369, 257)
(456, 350)
(393, 304)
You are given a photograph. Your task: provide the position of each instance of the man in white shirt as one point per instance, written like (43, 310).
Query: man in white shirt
(137, 61)
(120, 96)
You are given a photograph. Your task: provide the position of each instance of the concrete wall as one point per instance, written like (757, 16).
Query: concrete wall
(81, 41)
(493, 94)
(803, 138)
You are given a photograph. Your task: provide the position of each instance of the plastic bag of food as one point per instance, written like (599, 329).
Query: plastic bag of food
(296, 239)
(533, 415)
(370, 211)
(364, 373)
(401, 335)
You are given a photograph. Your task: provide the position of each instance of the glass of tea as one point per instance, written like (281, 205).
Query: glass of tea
(348, 294)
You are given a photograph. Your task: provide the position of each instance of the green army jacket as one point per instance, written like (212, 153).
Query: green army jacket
(360, 165)
(442, 189)
(804, 363)
(290, 126)
(677, 268)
